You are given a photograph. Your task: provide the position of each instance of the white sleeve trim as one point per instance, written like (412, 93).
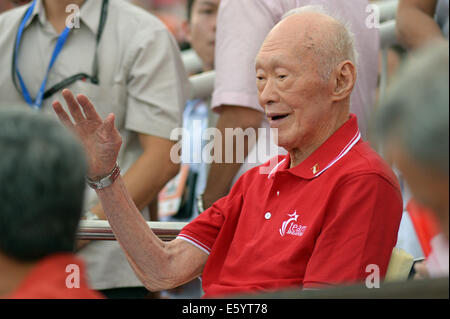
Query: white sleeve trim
(195, 242)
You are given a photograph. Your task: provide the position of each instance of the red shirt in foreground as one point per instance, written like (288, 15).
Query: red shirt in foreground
(321, 222)
(52, 277)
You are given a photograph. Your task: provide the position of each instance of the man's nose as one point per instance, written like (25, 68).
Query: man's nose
(269, 94)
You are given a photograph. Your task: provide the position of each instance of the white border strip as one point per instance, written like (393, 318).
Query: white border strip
(195, 242)
(347, 148)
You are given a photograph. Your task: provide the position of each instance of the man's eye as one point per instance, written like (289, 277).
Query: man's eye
(260, 78)
(206, 11)
(282, 77)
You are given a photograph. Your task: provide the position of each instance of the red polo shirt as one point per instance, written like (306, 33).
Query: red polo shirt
(321, 222)
(60, 276)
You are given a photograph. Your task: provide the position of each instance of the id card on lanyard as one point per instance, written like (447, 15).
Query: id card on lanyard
(37, 103)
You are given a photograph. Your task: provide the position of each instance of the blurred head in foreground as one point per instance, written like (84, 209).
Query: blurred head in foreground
(42, 173)
(413, 127)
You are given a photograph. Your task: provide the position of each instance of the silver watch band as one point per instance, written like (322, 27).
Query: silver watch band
(105, 181)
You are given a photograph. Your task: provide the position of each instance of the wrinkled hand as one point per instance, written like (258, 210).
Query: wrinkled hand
(101, 139)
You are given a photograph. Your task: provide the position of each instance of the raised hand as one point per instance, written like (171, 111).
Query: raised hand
(101, 139)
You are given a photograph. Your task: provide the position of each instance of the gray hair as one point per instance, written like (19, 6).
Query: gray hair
(42, 174)
(341, 40)
(416, 109)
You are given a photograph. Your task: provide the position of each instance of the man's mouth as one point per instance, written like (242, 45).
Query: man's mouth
(278, 117)
(275, 119)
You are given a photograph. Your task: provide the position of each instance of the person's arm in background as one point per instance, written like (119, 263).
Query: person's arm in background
(415, 23)
(222, 174)
(238, 40)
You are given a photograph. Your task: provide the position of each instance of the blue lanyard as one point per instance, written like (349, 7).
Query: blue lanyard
(59, 45)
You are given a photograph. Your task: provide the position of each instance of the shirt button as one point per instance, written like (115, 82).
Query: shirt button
(278, 193)
(268, 215)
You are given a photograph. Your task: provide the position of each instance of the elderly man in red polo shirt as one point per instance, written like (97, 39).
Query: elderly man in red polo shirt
(324, 213)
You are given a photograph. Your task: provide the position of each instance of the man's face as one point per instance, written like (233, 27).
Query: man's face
(291, 91)
(202, 29)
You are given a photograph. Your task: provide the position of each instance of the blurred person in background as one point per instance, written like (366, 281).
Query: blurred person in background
(420, 21)
(413, 127)
(200, 29)
(42, 174)
(126, 61)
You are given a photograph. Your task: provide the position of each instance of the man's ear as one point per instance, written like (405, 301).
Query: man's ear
(344, 80)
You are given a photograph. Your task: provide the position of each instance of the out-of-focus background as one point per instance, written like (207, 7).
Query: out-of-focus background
(171, 12)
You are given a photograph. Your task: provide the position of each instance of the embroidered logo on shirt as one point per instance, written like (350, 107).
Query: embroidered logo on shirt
(291, 227)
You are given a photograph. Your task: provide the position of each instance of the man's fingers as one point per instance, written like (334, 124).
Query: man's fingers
(74, 108)
(109, 123)
(62, 115)
(88, 108)
(110, 129)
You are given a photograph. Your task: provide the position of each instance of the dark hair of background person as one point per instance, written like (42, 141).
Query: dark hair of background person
(42, 174)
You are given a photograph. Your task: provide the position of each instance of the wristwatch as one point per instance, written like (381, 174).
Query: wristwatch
(105, 181)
